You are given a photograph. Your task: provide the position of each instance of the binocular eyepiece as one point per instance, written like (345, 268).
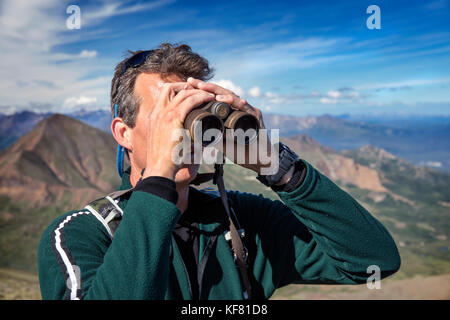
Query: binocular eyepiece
(207, 122)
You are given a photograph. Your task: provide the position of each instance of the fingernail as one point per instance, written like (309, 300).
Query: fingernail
(220, 96)
(190, 79)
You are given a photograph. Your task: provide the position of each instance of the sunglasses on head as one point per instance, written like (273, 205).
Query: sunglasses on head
(136, 60)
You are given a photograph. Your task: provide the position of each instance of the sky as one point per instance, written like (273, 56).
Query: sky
(287, 57)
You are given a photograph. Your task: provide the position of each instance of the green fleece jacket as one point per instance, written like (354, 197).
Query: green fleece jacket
(317, 234)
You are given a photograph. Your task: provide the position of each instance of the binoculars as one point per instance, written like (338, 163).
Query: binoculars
(219, 115)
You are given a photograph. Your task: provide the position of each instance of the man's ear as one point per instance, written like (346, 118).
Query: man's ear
(121, 133)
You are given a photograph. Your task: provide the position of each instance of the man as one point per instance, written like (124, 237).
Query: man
(170, 243)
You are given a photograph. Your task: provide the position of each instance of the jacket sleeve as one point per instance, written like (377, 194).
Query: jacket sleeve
(317, 234)
(78, 260)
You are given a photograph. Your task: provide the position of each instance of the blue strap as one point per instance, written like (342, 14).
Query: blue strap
(120, 150)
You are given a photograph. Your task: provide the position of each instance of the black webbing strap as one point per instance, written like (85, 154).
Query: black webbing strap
(202, 178)
(201, 266)
(240, 254)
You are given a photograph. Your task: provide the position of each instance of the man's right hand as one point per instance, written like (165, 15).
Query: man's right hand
(175, 101)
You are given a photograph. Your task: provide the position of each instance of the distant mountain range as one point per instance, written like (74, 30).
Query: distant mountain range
(423, 140)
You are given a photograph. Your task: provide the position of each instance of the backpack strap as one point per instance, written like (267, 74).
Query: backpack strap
(107, 210)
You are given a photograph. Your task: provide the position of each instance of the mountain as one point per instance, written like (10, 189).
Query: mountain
(402, 177)
(100, 119)
(58, 155)
(334, 165)
(14, 126)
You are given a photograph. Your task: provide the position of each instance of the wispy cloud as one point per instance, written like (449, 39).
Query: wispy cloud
(81, 101)
(35, 69)
(402, 85)
(278, 56)
(106, 9)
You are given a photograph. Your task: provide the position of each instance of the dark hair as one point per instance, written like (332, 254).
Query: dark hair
(166, 60)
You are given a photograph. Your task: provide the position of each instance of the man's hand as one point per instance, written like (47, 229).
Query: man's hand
(229, 97)
(175, 101)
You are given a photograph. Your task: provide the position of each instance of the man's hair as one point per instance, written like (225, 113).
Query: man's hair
(165, 60)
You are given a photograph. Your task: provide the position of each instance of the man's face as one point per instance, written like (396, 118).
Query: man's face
(148, 88)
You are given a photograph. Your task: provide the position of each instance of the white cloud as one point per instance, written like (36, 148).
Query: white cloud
(73, 102)
(328, 101)
(255, 92)
(84, 54)
(88, 54)
(230, 85)
(274, 98)
(333, 94)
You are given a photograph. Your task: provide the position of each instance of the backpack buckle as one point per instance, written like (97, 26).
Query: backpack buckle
(227, 234)
(245, 255)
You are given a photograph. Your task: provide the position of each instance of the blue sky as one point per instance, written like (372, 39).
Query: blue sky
(288, 57)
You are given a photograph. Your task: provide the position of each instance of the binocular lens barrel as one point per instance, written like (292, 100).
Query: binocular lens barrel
(239, 120)
(199, 121)
(218, 115)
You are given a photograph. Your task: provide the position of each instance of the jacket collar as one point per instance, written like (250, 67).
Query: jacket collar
(205, 197)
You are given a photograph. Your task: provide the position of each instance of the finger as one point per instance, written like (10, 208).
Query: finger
(234, 101)
(193, 101)
(184, 94)
(208, 86)
(167, 92)
(170, 89)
